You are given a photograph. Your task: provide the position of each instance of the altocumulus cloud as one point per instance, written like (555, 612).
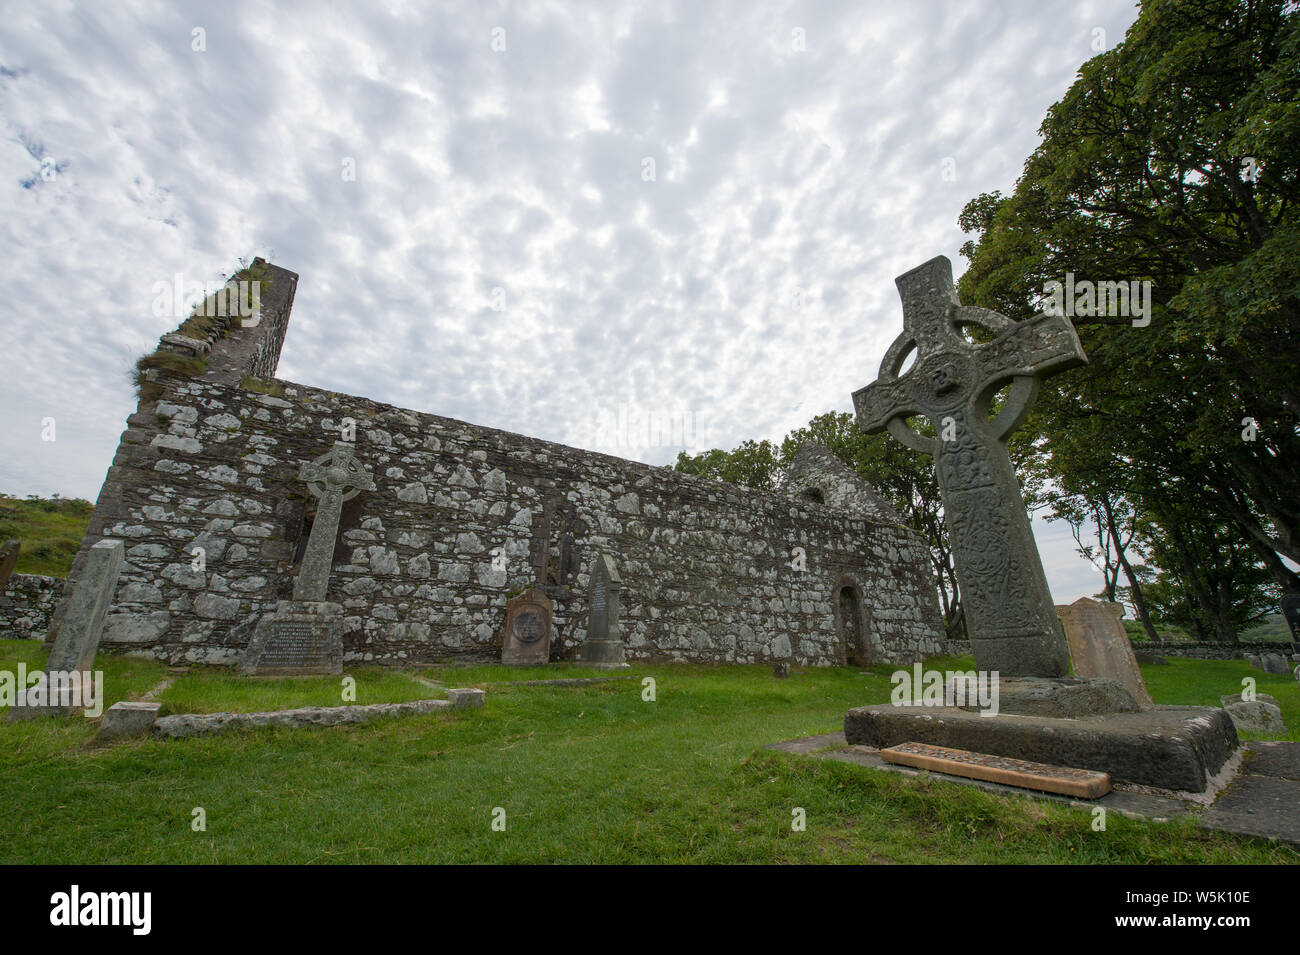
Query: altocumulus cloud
(502, 254)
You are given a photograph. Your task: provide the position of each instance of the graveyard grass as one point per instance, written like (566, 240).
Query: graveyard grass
(49, 529)
(588, 773)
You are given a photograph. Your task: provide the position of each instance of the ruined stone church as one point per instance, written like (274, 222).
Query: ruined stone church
(450, 520)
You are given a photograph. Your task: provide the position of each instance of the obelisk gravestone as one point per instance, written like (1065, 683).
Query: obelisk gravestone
(604, 645)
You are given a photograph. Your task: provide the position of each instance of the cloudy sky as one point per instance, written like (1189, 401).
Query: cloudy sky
(626, 227)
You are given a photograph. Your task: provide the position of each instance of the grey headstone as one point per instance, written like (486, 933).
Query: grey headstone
(1274, 663)
(604, 644)
(1099, 645)
(1252, 659)
(82, 624)
(1009, 609)
(1260, 715)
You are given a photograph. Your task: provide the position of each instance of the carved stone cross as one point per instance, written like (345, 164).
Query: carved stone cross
(1009, 611)
(334, 477)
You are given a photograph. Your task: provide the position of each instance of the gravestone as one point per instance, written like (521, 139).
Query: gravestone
(8, 561)
(1099, 645)
(527, 637)
(76, 637)
(305, 635)
(1009, 610)
(604, 646)
(1274, 663)
(1037, 711)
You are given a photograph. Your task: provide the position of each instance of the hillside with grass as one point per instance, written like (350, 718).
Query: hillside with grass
(49, 529)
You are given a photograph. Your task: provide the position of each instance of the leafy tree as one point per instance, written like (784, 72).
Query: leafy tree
(1173, 159)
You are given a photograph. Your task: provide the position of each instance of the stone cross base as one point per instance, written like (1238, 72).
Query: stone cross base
(302, 637)
(606, 654)
(1059, 697)
(1178, 748)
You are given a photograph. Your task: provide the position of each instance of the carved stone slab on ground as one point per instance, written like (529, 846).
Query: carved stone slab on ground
(1083, 783)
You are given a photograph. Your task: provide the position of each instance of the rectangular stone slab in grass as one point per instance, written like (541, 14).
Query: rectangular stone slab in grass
(1172, 747)
(1083, 783)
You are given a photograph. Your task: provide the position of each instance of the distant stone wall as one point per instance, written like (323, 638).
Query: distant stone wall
(1208, 651)
(29, 602)
(706, 566)
(1176, 648)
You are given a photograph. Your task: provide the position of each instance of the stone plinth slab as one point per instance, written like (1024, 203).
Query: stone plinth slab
(1259, 806)
(1172, 747)
(1021, 773)
(128, 719)
(204, 724)
(466, 699)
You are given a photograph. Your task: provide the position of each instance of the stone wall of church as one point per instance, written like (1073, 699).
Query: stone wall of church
(26, 605)
(205, 492)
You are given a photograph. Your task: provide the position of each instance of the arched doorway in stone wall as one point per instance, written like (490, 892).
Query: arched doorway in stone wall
(851, 625)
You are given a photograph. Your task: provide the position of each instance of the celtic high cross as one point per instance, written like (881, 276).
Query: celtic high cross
(1009, 613)
(334, 477)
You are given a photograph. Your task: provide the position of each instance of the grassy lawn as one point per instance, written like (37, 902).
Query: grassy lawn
(49, 530)
(585, 774)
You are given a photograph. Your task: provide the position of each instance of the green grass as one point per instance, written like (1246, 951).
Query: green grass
(215, 691)
(587, 774)
(49, 529)
(1202, 682)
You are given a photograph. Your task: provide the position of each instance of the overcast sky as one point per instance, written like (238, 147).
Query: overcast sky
(563, 220)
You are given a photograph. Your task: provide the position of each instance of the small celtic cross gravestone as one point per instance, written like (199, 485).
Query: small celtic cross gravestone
(1009, 612)
(334, 477)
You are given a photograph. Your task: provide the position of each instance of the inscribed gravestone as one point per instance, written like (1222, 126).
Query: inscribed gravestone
(527, 637)
(604, 646)
(305, 635)
(1099, 645)
(1009, 609)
